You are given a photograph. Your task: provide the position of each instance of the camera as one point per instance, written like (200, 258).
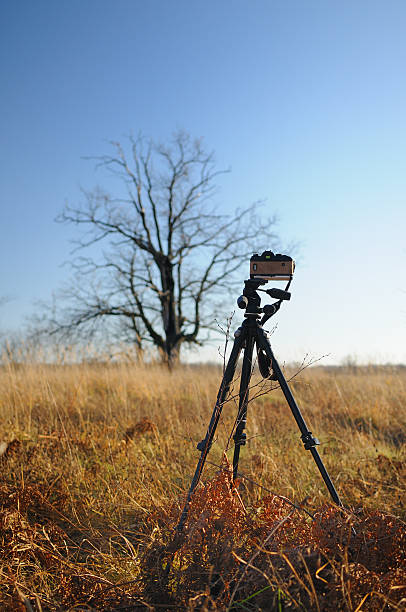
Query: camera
(271, 266)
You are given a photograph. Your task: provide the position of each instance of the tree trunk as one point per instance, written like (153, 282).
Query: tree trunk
(170, 356)
(169, 318)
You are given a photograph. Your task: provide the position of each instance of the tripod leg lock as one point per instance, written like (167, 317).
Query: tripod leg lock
(240, 440)
(309, 440)
(202, 445)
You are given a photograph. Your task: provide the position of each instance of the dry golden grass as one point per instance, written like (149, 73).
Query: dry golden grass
(96, 459)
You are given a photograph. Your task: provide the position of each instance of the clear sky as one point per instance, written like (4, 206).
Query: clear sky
(304, 100)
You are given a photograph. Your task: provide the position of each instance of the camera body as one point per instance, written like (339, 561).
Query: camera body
(269, 266)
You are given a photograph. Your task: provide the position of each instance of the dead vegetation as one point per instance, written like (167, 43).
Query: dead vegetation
(95, 461)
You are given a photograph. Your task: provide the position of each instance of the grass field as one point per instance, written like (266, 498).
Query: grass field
(96, 460)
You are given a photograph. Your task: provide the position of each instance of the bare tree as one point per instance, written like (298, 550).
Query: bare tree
(168, 250)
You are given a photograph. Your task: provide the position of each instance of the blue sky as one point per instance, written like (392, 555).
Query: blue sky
(305, 101)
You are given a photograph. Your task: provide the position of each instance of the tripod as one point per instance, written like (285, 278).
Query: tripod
(249, 335)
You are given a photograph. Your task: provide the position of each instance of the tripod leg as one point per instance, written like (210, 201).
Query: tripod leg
(205, 444)
(308, 439)
(239, 435)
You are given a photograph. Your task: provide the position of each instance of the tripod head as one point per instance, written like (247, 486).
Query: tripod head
(250, 301)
